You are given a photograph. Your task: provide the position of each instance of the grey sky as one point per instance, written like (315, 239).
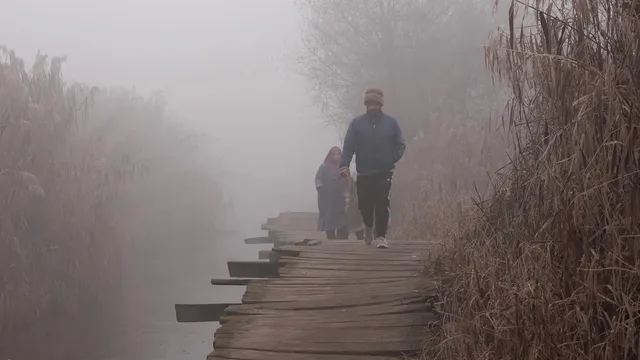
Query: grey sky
(223, 65)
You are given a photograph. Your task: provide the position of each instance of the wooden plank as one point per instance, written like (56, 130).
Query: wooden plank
(350, 257)
(297, 227)
(329, 300)
(361, 249)
(357, 247)
(199, 312)
(252, 269)
(323, 334)
(236, 281)
(306, 273)
(268, 293)
(269, 255)
(259, 240)
(303, 242)
(359, 343)
(338, 302)
(286, 252)
(319, 302)
(275, 258)
(322, 322)
(298, 282)
(402, 285)
(369, 266)
(239, 354)
(396, 307)
(353, 252)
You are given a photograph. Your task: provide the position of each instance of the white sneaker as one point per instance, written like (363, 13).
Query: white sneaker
(368, 235)
(382, 243)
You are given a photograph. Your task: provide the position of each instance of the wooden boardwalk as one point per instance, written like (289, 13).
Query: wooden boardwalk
(330, 300)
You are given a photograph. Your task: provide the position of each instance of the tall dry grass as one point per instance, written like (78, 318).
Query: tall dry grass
(54, 192)
(548, 267)
(73, 159)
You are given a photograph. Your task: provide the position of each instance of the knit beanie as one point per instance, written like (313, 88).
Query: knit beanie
(374, 95)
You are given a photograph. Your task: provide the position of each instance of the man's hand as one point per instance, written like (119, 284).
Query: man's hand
(344, 172)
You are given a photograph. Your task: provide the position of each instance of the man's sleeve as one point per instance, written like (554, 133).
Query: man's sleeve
(349, 147)
(400, 143)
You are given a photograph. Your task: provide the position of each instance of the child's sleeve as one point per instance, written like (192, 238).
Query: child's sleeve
(348, 188)
(319, 182)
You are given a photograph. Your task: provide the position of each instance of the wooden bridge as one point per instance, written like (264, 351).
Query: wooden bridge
(318, 299)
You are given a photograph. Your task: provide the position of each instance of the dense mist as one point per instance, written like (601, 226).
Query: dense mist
(206, 102)
(226, 68)
(141, 141)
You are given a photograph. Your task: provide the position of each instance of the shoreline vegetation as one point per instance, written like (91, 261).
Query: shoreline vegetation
(77, 165)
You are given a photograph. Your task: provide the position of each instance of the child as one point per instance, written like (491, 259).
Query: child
(332, 218)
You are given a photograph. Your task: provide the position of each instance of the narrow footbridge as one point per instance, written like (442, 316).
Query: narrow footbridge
(316, 299)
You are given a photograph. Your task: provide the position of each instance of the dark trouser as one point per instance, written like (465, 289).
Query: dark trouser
(339, 233)
(373, 198)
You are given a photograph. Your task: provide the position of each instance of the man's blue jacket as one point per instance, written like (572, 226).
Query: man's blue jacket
(376, 141)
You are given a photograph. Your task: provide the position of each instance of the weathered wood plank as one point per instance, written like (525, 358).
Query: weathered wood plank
(380, 266)
(356, 289)
(269, 255)
(351, 258)
(236, 281)
(259, 240)
(239, 354)
(329, 300)
(361, 249)
(299, 282)
(306, 273)
(334, 302)
(252, 269)
(372, 343)
(282, 293)
(394, 307)
(199, 312)
(320, 321)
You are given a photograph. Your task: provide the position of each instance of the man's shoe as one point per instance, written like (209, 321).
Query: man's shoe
(368, 235)
(382, 243)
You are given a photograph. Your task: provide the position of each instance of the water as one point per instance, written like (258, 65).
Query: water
(179, 273)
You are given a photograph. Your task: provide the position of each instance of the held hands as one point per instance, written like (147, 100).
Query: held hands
(345, 172)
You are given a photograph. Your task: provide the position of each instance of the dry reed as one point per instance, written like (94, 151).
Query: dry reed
(549, 267)
(47, 205)
(69, 155)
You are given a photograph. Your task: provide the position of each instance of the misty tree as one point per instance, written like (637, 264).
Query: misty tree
(416, 50)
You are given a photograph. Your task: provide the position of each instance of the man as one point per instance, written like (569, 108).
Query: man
(377, 142)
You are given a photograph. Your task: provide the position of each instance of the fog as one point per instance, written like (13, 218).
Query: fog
(226, 67)
(261, 80)
(113, 208)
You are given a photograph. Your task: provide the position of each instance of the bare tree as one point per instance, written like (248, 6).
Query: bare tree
(407, 47)
(427, 56)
